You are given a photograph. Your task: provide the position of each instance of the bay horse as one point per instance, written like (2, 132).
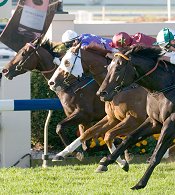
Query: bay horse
(81, 107)
(122, 113)
(141, 65)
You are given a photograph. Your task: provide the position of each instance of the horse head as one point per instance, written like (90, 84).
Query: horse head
(33, 55)
(69, 69)
(126, 68)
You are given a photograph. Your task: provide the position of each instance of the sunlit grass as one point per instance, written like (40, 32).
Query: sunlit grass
(81, 179)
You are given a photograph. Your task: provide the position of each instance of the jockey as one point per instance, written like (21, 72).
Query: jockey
(122, 40)
(71, 38)
(166, 41)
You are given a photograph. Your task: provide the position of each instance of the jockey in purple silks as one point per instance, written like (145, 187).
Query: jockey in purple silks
(71, 38)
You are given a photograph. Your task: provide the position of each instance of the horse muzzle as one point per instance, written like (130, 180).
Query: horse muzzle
(53, 86)
(5, 72)
(104, 96)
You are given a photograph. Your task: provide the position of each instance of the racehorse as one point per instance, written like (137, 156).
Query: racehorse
(141, 65)
(122, 113)
(81, 107)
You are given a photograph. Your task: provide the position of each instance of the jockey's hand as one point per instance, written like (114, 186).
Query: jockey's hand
(110, 55)
(165, 58)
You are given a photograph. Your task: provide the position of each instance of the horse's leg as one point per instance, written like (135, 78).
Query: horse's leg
(76, 143)
(164, 142)
(125, 127)
(82, 129)
(145, 130)
(74, 119)
(100, 128)
(121, 162)
(97, 129)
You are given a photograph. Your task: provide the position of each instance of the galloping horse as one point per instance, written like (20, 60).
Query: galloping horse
(141, 65)
(122, 113)
(81, 107)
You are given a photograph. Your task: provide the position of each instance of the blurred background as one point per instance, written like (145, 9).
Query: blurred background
(119, 10)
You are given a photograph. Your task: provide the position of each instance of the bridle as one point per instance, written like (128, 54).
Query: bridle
(20, 65)
(121, 86)
(66, 80)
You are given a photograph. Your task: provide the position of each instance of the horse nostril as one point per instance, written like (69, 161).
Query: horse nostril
(5, 71)
(51, 83)
(103, 93)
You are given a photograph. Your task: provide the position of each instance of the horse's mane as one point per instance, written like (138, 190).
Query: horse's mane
(54, 47)
(145, 52)
(97, 48)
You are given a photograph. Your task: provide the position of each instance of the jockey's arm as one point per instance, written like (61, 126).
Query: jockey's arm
(165, 58)
(110, 55)
(169, 57)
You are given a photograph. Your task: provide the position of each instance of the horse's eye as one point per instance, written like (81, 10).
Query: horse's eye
(23, 54)
(67, 63)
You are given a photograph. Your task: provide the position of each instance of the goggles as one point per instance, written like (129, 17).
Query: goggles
(165, 47)
(69, 44)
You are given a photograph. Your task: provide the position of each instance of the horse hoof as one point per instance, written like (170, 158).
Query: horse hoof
(137, 187)
(79, 156)
(126, 167)
(57, 158)
(148, 160)
(101, 169)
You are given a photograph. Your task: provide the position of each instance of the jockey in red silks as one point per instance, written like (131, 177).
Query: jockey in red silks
(122, 40)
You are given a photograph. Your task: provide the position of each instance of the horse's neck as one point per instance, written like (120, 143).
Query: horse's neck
(48, 71)
(99, 78)
(159, 79)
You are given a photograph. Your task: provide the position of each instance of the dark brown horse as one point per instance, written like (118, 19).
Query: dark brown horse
(141, 65)
(122, 114)
(78, 97)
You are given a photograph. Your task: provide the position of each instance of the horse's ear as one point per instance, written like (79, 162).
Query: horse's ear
(38, 40)
(134, 48)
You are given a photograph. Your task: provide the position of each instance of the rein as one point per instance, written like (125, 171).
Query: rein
(68, 85)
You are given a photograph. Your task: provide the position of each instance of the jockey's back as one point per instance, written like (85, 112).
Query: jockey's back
(86, 39)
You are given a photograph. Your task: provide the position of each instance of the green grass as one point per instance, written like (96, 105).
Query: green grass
(81, 179)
